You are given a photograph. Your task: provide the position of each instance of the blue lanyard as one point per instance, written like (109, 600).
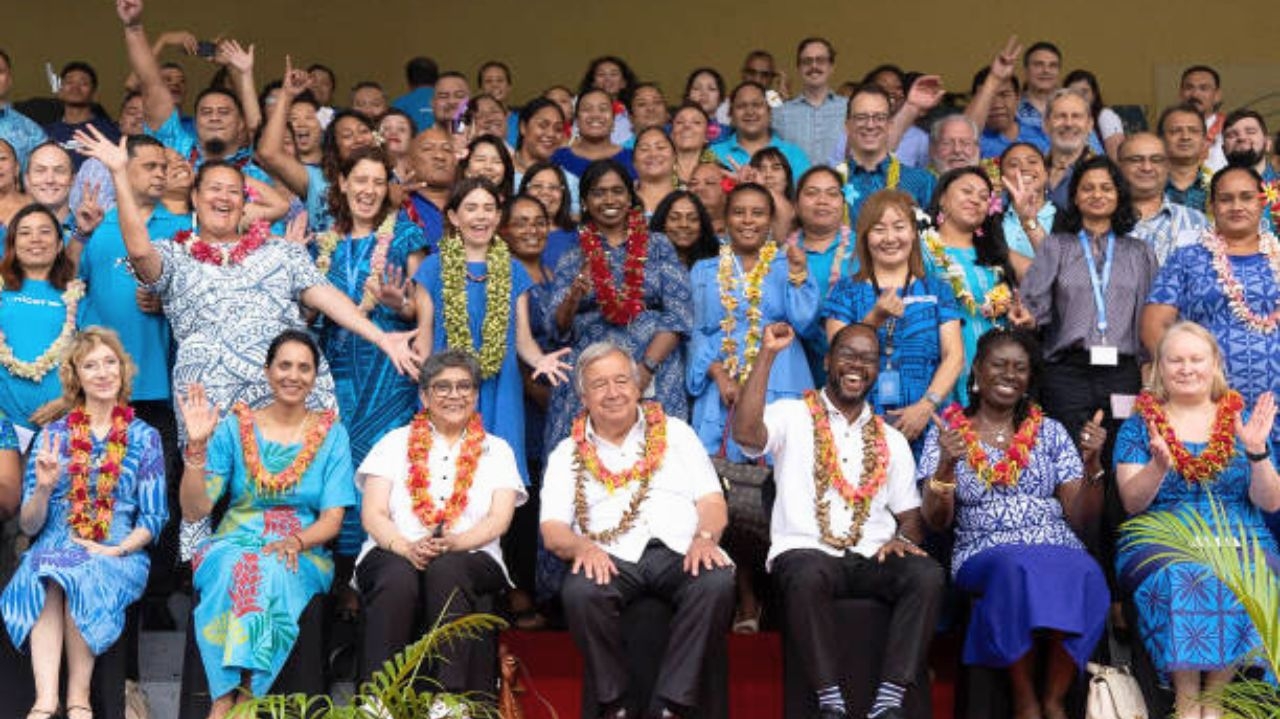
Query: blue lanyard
(354, 262)
(1100, 284)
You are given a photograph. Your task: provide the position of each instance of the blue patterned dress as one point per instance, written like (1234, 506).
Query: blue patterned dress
(247, 618)
(98, 588)
(668, 305)
(980, 279)
(1189, 621)
(1016, 552)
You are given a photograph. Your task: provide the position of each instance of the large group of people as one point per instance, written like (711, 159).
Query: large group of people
(416, 354)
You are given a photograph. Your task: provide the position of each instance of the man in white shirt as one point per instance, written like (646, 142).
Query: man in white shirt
(632, 501)
(846, 522)
(1201, 86)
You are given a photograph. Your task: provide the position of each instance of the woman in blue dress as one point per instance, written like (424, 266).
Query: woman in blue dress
(93, 499)
(289, 475)
(474, 296)
(557, 192)
(1194, 628)
(38, 312)
(595, 115)
(1013, 484)
(915, 315)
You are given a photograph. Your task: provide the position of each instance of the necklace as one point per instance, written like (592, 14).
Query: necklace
(224, 254)
(424, 505)
(315, 428)
(842, 251)
(1005, 473)
(1217, 453)
(52, 356)
(328, 243)
(1234, 291)
(828, 473)
(618, 308)
(91, 517)
(751, 291)
(587, 462)
(497, 306)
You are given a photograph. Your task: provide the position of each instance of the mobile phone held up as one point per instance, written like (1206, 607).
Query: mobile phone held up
(206, 49)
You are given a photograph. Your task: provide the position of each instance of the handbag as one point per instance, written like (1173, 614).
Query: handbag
(744, 486)
(512, 670)
(1114, 694)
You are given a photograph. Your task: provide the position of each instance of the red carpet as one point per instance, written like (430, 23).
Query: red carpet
(755, 674)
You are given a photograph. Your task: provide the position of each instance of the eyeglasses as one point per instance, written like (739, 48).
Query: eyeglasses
(1144, 159)
(869, 118)
(444, 388)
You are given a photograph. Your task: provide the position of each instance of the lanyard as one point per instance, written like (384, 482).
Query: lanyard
(1100, 284)
(354, 261)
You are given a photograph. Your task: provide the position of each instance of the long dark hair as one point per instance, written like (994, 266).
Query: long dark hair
(330, 163)
(596, 172)
(62, 272)
(563, 219)
(988, 240)
(707, 245)
(338, 209)
(628, 78)
(1122, 220)
(987, 344)
(533, 107)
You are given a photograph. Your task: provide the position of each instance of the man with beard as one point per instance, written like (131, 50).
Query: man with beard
(869, 166)
(953, 143)
(1182, 129)
(1201, 87)
(77, 89)
(812, 119)
(1164, 225)
(1068, 122)
(1245, 142)
(434, 162)
(827, 545)
(451, 95)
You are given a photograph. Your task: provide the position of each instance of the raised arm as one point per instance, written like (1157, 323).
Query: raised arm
(1002, 67)
(137, 241)
(271, 151)
(157, 103)
(240, 61)
(925, 94)
(749, 430)
(339, 308)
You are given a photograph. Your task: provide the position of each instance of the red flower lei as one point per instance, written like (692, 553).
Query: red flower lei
(1017, 457)
(619, 311)
(212, 253)
(97, 525)
(424, 505)
(1216, 455)
(264, 482)
(655, 448)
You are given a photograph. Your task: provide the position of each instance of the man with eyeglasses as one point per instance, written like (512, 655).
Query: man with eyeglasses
(1164, 225)
(759, 68)
(953, 143)
(631, 500)
(813, 118)
(994, 106)
(868, 164)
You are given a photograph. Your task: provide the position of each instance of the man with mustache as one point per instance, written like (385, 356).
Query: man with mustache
(1068, 123)
(1164, 225)
(826, 546)
(1245, 142)
(953, 143)
(1201, 87)
(813, 119)
(1182, 129)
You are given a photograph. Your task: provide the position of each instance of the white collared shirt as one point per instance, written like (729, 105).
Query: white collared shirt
(794, 524)
(496, 470)
(668, 514)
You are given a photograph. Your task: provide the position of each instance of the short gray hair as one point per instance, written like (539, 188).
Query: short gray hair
(595, 352)
(1066, 92)
(935, 130)
(445, 359)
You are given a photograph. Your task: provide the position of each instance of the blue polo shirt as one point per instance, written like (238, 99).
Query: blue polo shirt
(417, 104)
(730, 149)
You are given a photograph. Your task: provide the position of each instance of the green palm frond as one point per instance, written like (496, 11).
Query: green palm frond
(1249, 700)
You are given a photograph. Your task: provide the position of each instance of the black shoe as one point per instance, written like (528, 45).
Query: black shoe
(892, 713)
(831, 714)
(615, 713)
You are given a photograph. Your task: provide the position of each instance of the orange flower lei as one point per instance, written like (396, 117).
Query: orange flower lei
(264, 482)
(1216, 455)
(828, 474)
(95, 527)
(424, 505)
(1016, 458)
(587, 461)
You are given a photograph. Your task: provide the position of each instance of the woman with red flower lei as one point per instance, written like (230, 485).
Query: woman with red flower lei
(93, 499)
(438, 496)
(1187, 446)
(1012, 483)
(287, 471)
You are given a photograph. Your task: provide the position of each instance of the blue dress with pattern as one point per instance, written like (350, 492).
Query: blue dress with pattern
(247, 618)
(98, 587)
(980, 279)
(1188, 620)
(502, 395)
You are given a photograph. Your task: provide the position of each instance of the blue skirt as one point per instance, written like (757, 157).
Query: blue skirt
(1024, 588)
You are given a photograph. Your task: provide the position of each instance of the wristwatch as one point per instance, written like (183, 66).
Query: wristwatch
(933, 398)
(1030, 225)
(649, 365)
(706, 535)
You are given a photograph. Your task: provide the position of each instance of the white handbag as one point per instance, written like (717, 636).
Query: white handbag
(1114, 694)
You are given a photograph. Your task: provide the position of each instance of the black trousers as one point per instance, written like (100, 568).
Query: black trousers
(164, 575)
(703, 612)
(810, 580)
(400, 603)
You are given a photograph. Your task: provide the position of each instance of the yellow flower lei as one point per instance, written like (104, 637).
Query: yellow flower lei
(751, 292)
(327, 243)
(52, 356)
(950, 271)
(497, 309)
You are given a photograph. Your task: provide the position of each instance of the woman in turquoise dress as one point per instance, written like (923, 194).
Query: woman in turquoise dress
(963, 243)
(289, 475)
(86, 566)
(38, 312)
(475, 296)
(1194, 628)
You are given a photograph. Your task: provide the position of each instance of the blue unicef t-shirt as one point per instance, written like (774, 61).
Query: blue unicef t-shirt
(110, 299)
(31, 319)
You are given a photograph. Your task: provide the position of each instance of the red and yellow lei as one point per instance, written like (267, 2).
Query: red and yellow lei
(264, 482)
(1216, 455)
(424, 505)
(1005, 473)
(221, 254)
(618, 308)
(91, 518)
(587, 461)
(827, 473)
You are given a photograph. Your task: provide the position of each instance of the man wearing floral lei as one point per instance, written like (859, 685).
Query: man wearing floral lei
(632, 502)
(846, 522)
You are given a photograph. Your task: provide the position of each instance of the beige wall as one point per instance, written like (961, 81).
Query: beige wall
(1130, 44)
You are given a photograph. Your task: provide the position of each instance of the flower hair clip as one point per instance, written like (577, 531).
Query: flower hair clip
(727, 183)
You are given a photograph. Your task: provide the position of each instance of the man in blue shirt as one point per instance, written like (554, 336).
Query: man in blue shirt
(749, 113)
(435, 165)
(17, 129)
(1144, 162)
(1244, 141)
(1069, 123)
(869, 166)
(1043, 66)
(813, 119)
(78, 86)
(994, 106)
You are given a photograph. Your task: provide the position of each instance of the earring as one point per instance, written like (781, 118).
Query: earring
(942, 216)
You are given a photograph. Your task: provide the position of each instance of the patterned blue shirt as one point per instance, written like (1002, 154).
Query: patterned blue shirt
(1031, 124)
(20, 131)
(861, 184)
(1195, 197)
(1172, 226)
(816, 129)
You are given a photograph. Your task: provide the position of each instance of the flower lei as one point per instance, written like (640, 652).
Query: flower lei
(424, 505)
(842, 251)
(997, 301)
(618, 309)
(1234, 291)
(828, 474)
(497, 302)
(52, 356)
(91, 517)
(1005, 473)
(751, 286)
(327, 243)
(216, 253)
(587, 461)
(264, 482)
(1216, 455)
(1271, 200)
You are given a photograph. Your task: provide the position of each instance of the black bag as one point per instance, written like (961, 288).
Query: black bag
(746, 488)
